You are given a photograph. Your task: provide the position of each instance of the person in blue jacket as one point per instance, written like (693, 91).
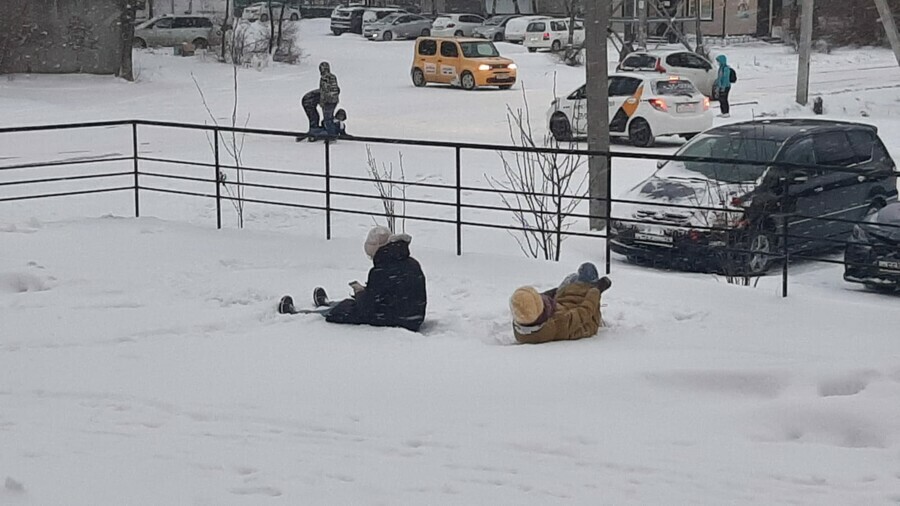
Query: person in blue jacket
(723, 85)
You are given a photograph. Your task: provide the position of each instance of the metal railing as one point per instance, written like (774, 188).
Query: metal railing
(142, 179)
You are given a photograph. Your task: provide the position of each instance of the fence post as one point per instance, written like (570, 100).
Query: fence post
(327, 189)
(784, 238)
(608, 211)
(458, 201)
(218, 178)
(137, 186)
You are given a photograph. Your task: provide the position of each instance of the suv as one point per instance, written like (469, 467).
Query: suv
(552, 34)
(347, 19)
(176, 30)
(681, 63)
(747, 207)
(260, 12)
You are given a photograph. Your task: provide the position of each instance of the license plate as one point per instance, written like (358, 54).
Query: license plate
(685, 107)
(502, 75)
(889, 266)
(663, 240)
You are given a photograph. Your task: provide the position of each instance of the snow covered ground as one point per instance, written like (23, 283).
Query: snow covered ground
(142, 361)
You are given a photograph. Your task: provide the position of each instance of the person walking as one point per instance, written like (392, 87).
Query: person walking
(727, 77)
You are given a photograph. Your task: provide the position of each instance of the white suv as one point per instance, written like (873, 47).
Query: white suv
(552, 34)
(456, 25)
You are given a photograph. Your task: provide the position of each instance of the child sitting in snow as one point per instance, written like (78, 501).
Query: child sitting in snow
(569, 312)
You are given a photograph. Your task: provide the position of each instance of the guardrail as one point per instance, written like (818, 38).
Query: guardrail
(141, 177)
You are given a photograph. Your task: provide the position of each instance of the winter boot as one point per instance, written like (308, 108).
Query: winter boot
(286, 305)
(320, 298)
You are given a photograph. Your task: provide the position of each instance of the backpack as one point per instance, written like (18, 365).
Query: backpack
(733, 77)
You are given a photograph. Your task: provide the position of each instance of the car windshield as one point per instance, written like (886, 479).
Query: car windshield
(494, 21)
(479, 49)
(728, 147)
(675, 87)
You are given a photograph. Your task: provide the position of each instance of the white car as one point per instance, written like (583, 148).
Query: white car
(698, 69)
(515, 29)
(260, 11)
(455, 25)
(552, 34)
(641, 108)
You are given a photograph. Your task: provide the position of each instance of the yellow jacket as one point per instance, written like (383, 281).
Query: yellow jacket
(577, 315)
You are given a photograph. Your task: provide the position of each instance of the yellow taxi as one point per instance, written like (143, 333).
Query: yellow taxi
(466, 62)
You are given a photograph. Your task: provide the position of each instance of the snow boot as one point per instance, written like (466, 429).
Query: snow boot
(603, 284)
(320, 298)
(286, 305)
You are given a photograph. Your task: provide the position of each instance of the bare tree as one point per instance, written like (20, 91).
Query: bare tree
(541, 190)
(390, 190)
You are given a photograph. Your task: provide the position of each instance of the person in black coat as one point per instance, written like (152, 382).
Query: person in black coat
(394, 294)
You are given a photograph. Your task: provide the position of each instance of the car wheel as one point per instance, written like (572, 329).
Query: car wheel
(640, 134)
(264, 18)
(560, 127)
(337, 32)
(532, 49)
(426, 32)
(388, 35)
(498, 37)
(760, 258)
(418, 78)
(295, 17)
(556, 46)
(200, 43)
(467, 80)
(139, 43)
(458, 33)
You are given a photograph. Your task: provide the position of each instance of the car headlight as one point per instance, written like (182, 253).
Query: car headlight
(484, 67)
(512, 66)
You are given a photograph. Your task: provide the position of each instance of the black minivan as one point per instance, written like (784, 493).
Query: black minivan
(741, 229)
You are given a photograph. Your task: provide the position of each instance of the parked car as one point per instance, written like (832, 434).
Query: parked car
(693, 66)
(456, 25)
(465, 62)
(347, 19)
(552, 34)
(515, 28)
(749, 206)
(641, 108)
(398, 26)
(176, 30)
(872, 256)
(494, 28)
(260, 12)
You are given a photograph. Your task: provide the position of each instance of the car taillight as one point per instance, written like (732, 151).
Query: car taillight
(660, 68)
(705, 103)
(546, 36)
(659, 104)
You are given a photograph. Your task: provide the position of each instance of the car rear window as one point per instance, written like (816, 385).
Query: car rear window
(536, 27)
(863, 143)
(683, 88)
(428, 47)
(640, 61)
(833, 148)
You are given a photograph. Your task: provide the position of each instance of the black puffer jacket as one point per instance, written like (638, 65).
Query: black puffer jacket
(394, 295)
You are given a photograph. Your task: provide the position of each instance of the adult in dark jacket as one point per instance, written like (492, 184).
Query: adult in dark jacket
(329, 96)
(394, 294)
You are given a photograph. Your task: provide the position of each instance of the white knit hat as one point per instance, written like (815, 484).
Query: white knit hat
(378, 237)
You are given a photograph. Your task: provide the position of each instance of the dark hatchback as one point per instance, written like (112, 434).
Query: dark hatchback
(872, 256)
(742, 228)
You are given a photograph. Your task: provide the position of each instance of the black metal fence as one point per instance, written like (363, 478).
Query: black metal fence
(146, 173)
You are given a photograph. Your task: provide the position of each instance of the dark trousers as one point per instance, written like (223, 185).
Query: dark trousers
(310, 103)
(328, 118)
(724, 106)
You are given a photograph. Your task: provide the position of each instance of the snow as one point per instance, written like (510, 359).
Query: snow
(142, 360)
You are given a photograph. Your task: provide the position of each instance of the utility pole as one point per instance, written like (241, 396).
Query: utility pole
(597, 13)
(642, 23)
(806, 24)
(887, 19)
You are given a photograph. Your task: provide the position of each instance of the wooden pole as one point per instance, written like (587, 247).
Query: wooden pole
(887, 19)
(642, 23)
(806, 22)
(597, 13)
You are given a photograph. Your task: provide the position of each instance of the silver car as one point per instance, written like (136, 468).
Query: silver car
(176, 30)
(398, 26)
(494, 28)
